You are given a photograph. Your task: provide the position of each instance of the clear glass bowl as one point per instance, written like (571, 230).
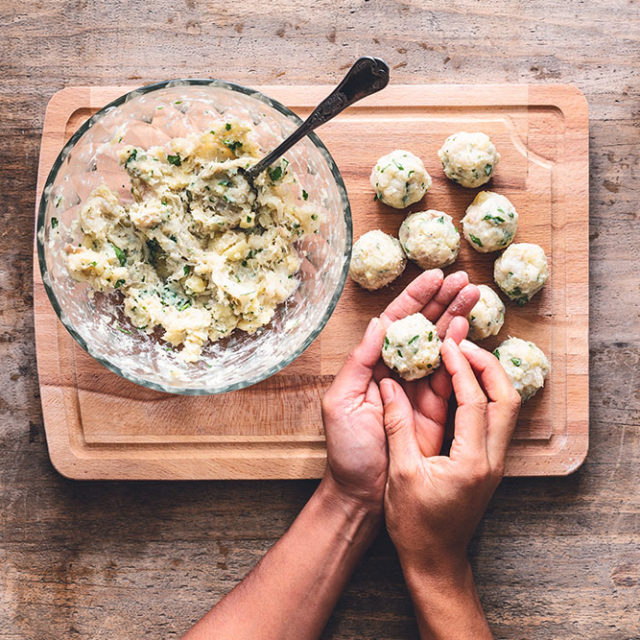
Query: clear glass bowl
(151, 116)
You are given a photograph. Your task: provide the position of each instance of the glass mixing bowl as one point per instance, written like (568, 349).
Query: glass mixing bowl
(151, 116)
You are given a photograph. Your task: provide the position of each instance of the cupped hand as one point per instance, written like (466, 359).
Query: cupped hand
(433, 503)
(352, 409)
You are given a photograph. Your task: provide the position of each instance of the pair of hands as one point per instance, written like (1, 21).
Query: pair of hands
(384, 437)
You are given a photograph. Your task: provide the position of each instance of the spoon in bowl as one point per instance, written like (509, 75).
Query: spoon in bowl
(366, 76)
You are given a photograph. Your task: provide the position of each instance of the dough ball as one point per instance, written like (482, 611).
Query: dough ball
(377, 259)
(525, 364)
(412, 347)
(490, 222)
(400, 179)
(487, 316)
(430, 239)
(469, 158)
(521, 271)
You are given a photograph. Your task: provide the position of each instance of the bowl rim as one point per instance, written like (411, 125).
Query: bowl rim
(230, 86)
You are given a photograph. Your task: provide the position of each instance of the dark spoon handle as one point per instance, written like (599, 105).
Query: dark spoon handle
(366, 76)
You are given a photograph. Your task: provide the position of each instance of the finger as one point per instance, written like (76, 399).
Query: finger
(356, 373)
(504, 400)
(461, 305)
(470, 429)
(399, 426)
(440, 379)
(429, 416)
(451, 285)
(413, 299)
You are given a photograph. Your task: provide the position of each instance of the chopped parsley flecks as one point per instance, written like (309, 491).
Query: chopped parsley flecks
(516, 361)
(54, 223)
(232, 145)
(475, 240)
(275, 173)
(413, 339)
(305, 195)
(132, 156)
(176, 160)
(487, 169)
(120, 254)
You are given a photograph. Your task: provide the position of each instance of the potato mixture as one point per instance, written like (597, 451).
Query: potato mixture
(490, 222)
(487, 316)
(399, 179)
(199, 252)
(521, 271)
(430, 239)
(526, 365)
(469, 159)
(376, 260)
(412, 347)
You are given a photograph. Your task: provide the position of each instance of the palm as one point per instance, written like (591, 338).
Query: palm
(356, 444)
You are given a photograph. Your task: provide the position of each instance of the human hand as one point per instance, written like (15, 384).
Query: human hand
(433, 503)
(352, 407)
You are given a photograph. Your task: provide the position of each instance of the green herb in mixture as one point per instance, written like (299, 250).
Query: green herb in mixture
(275, 173)
(120, 254)
(176, 160)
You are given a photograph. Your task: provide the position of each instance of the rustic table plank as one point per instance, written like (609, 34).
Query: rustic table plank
(554, 558)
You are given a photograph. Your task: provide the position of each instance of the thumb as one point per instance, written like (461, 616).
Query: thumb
(399, 425)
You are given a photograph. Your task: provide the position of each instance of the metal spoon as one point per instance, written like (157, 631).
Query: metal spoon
(366, 76)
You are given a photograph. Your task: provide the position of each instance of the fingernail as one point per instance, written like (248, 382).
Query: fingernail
(439, 273)
(450, 343)
(387, 389)
(370, 327)
(467, 344)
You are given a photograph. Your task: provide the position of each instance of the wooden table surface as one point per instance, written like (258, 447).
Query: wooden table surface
(554, 558)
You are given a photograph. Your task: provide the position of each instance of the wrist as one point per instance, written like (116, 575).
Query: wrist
(363, 514)
(356, 501)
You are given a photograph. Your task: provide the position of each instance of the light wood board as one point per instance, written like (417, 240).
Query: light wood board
(100, 426)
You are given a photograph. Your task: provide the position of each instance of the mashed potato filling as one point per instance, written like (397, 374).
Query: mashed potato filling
(199, 252)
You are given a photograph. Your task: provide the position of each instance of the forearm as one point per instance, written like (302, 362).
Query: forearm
(446, 603)
(291, 592)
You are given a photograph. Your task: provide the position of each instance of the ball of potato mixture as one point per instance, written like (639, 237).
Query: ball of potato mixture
(525, 364)
(377, 259)
(400, 179)
(490, 222)
(412, 347)
(521, 271)
(430, 239)
(469, 158)
(487, 316)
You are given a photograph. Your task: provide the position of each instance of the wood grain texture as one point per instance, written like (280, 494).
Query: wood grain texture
(555, 558)
(99, 426)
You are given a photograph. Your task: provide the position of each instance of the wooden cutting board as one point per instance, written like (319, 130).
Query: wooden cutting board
(100, 426)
